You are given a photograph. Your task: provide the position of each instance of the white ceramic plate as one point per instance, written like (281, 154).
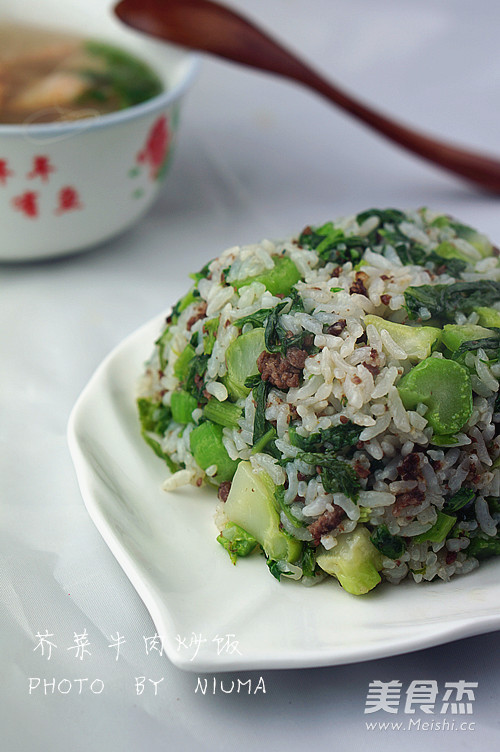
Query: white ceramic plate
(213, 616)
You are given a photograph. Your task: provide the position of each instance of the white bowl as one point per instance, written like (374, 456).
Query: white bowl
(65, 187)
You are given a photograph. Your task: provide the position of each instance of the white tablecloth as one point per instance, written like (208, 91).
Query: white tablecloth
(257, 157)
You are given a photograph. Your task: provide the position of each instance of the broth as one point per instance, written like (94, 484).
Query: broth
(47, 76)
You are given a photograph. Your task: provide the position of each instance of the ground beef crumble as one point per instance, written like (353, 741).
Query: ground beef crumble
(409, 469)
(372, 364)
(408, 499)
(361, 470)
(328, 521)
(358, 286)
(223, 491)
(374, 370)
(296, 357)
(282, 372)
(337, 328)
(200, 313)
(451, 556)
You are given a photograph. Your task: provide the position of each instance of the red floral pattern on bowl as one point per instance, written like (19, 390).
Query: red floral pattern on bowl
(155, 150)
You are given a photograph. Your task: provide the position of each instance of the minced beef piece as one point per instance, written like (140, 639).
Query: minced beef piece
(296, 357)
(372, 364)
(408, 499)
(328, 521)
(358, 286)
(224, 489)
(337, 328)
(282, 372)
(361, 470)
(200, 313)
(374, 370)
(451, 556)
(409, 469)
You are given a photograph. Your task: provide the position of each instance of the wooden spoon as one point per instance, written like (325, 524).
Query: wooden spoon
(207, 26)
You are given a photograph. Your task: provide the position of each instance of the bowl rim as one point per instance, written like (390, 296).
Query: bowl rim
(62, 128)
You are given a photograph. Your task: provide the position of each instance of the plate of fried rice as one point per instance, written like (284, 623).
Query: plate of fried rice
(299, 464)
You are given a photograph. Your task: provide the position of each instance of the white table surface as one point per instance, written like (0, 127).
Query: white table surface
(257, 158)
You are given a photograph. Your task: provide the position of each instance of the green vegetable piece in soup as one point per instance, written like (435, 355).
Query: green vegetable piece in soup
(121, 80)
(251, 505)
(208, 449)
(279, 280)
(354, 561)
(416, 341)
(445, 387)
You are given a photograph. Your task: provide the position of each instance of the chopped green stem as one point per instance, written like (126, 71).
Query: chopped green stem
(182, 405)
(264, 440)
(223, 413)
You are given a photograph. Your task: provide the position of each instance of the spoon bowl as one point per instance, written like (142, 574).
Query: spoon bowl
(207, 26)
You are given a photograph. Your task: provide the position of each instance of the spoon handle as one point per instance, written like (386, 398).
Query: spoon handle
(477, 168)
(210, 27)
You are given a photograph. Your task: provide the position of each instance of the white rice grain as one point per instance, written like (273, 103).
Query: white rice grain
(217, 390)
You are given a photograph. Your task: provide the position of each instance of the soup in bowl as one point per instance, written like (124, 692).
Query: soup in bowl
(48, 76)
(88, 125)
